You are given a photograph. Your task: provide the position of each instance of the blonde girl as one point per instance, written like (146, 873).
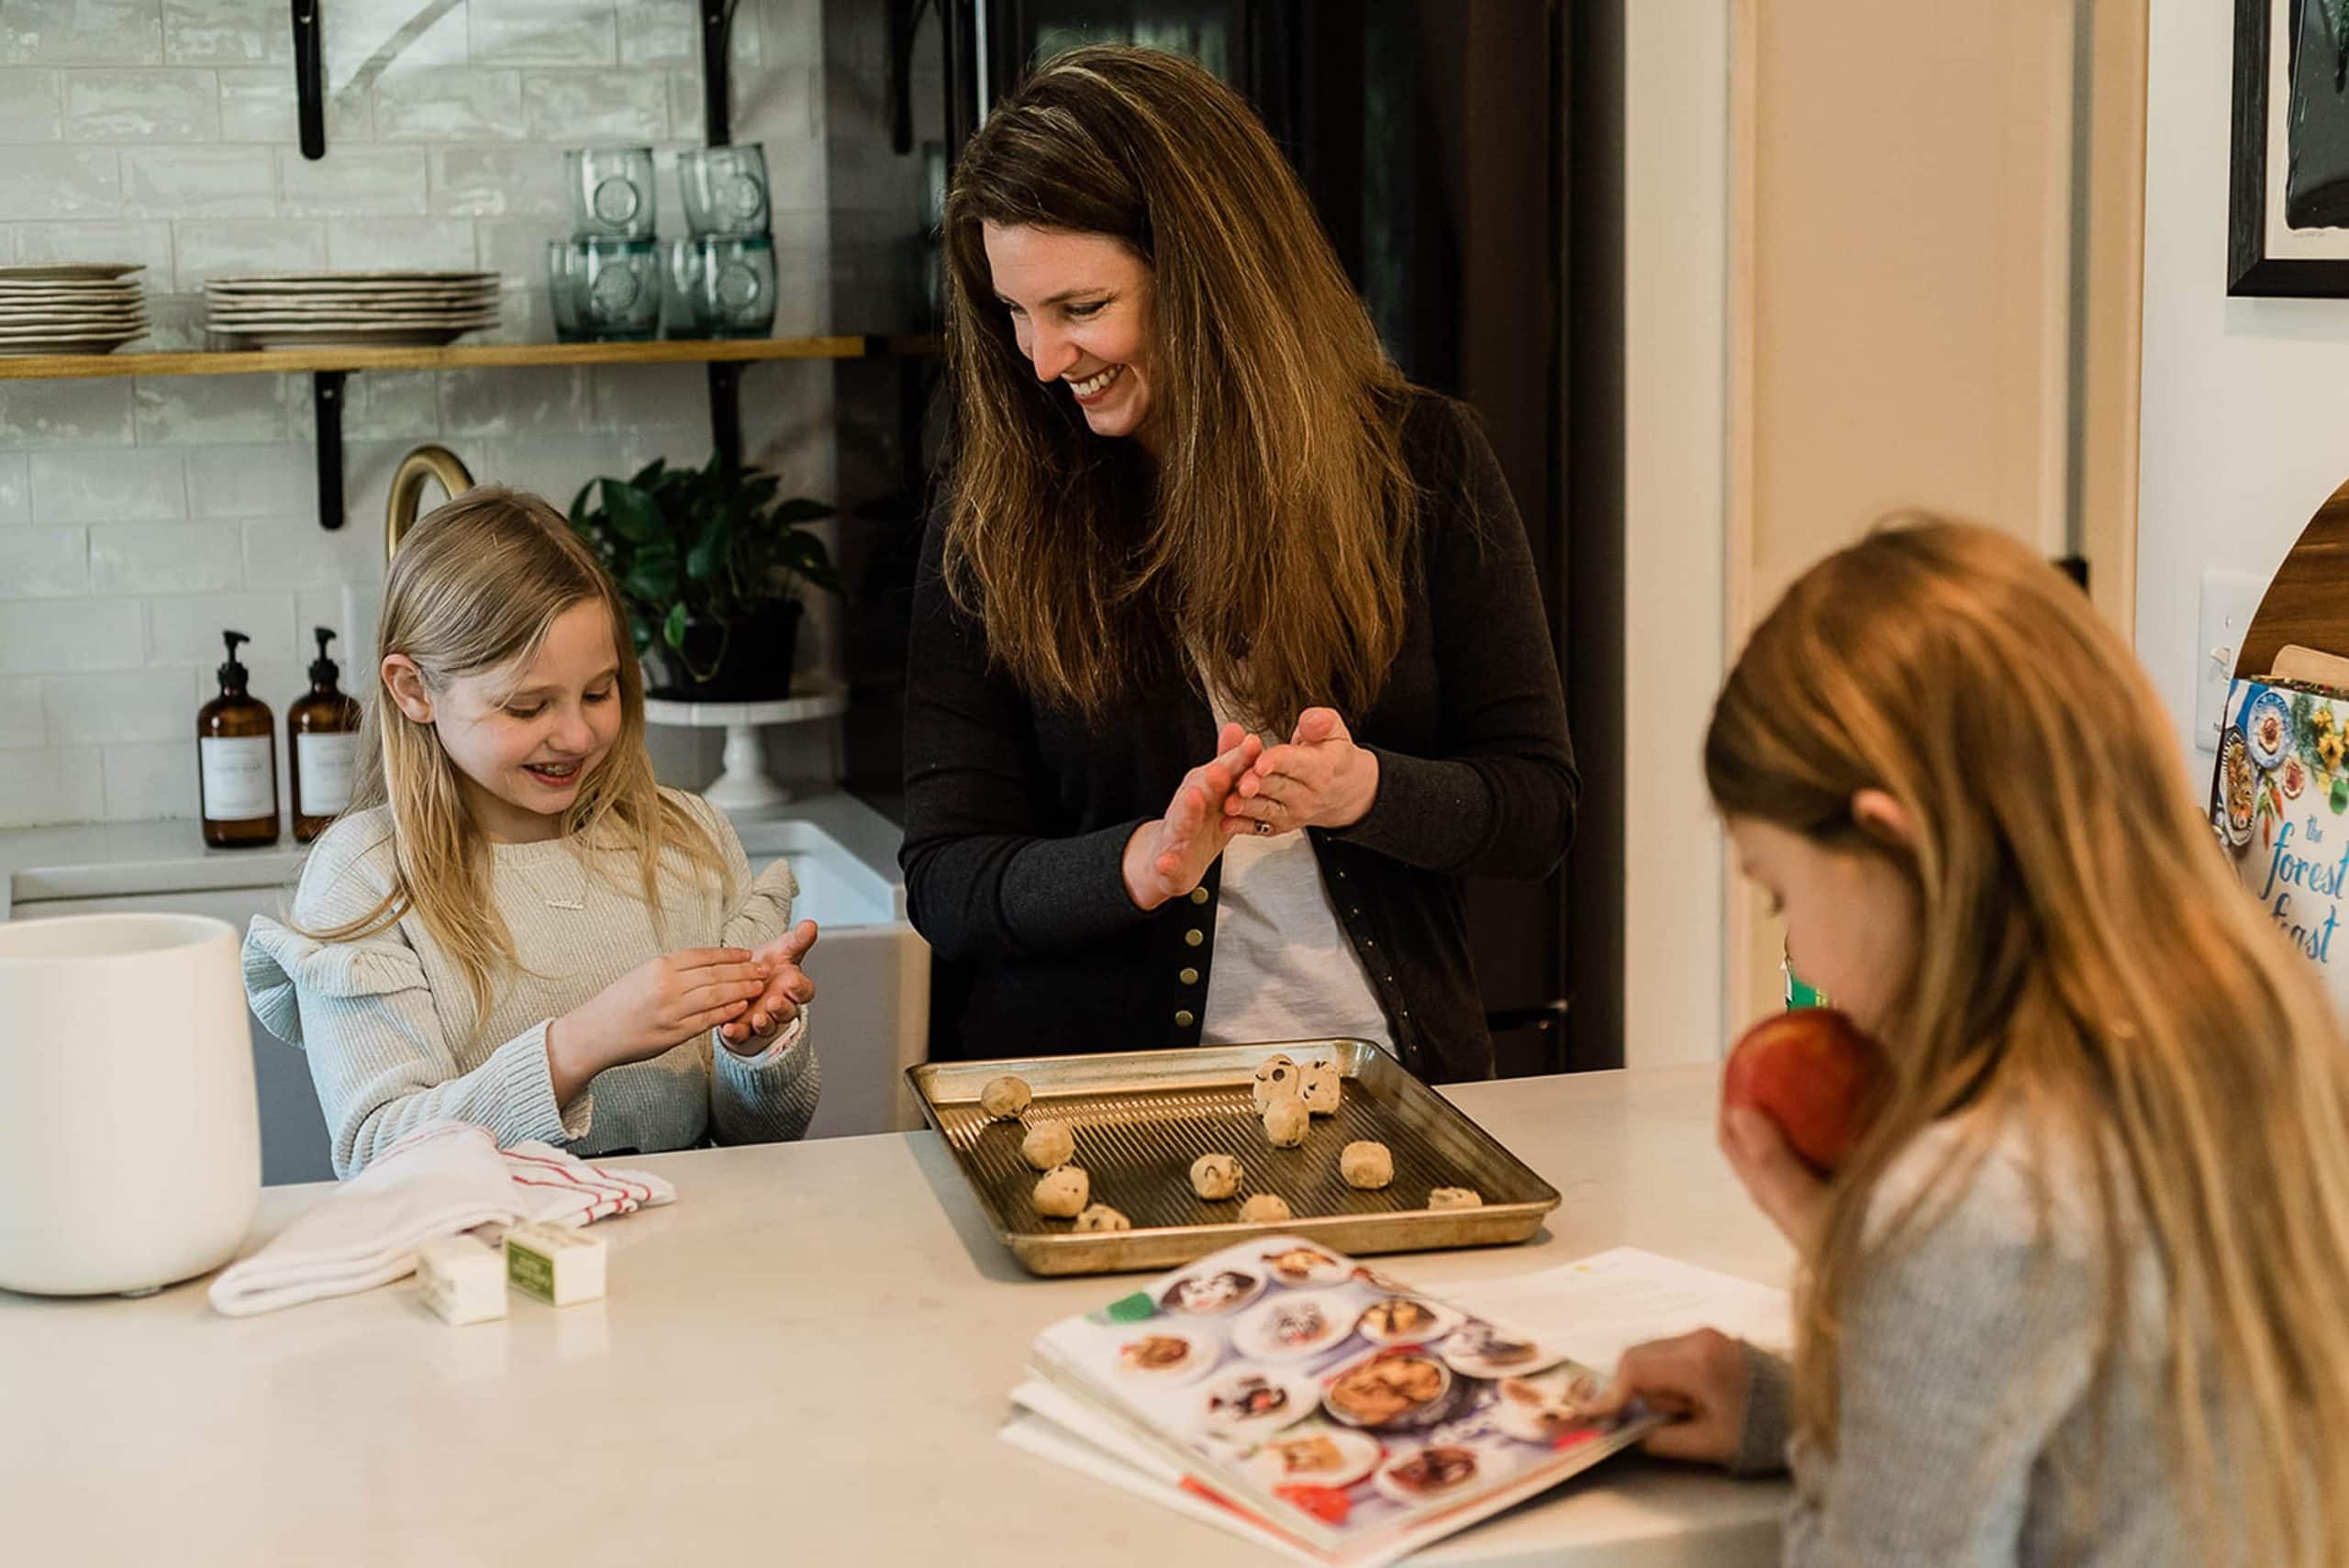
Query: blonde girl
(514, 925)
(2078, 1298)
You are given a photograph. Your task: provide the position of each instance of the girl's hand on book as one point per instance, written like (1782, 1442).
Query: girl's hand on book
(788, 989)
(1702, 1378)
(655, 1006)
(1781, 1184)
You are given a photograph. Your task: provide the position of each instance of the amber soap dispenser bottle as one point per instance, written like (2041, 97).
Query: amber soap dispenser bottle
(322, 746)
(236, 745)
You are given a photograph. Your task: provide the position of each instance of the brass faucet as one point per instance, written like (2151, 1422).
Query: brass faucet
(407, 490)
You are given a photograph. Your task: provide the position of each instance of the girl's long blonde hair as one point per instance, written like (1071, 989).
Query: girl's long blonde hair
(1274, 537)
(476, 586)
(2087, 960)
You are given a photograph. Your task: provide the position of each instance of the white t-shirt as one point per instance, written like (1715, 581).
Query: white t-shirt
(1284, 968)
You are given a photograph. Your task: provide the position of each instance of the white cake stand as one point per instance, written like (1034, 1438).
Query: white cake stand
(744, 786)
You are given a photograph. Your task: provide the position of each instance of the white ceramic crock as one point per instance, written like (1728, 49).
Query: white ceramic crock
(130, 1136)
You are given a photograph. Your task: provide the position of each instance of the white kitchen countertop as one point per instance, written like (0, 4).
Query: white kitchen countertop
(104, 860)
(805, 1360)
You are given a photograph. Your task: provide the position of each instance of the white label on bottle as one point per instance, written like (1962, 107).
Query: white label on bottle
(240, 778)
(323, 765)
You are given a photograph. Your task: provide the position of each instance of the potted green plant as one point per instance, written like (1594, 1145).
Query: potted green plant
(711, 565)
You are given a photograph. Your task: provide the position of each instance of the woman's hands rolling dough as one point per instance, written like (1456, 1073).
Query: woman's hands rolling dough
(1167, 858)
(1321, 779)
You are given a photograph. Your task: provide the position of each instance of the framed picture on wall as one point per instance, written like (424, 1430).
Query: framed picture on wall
(2287, 200)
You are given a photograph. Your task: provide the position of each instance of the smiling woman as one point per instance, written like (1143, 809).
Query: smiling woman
(1228, 661)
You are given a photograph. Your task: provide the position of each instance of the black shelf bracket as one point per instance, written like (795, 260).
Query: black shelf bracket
(326, 408)
(905, 21)
(726, 413)
(310, 78)
(717, 77)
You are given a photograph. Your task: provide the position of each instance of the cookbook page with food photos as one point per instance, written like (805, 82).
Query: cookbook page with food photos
(1339, 1405)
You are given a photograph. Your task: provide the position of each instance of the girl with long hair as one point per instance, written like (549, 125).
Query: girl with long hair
(1229, 664)
(2077, 1298)
(513, 924)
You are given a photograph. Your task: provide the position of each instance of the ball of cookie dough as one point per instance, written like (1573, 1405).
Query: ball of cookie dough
(1455, 1197)
(1366, 1165)
(1215, 1175)
(1285, 1123)
(1048, 1144)
(1101, 1216)
(1322, 1087)
(1266, 1209)
(1005, 1097)
(1276, 1079)
(1061, 1194)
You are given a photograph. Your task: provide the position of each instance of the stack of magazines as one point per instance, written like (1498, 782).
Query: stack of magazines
(1318, 1404)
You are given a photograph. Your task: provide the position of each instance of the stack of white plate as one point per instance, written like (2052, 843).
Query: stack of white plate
(305, 310)
(70, 309)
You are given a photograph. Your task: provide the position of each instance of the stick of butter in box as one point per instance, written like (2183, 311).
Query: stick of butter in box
(556, 1265)
(460, 1279)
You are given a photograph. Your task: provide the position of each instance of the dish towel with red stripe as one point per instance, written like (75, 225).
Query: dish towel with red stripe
(442, 1178)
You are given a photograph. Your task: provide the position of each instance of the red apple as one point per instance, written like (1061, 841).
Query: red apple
(1812, 1072)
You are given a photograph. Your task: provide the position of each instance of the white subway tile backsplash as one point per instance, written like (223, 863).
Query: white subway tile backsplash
(20, 722)
(293, 552)
(502, 402)
(54, 785)
(94, 413)
(227, 32)
(498, 182)
(581, 105)
(212, 249)
(82, 32)
(151, 782)
(258, 104)
(363, 41)
(385, 405)
(649, 396)
(186, 630)
(191, 410)
(174, 322)
(16, 489)
(29, 106)
(43, 563)
(424, 243)
(141, 105)
(251, 482)
(147, 244)
(449, 105)
(556, 466)
(131, 484)
(543, 32)
(122, 706)
(44, 636)
(165, 558)
(198, 181)
(61, 182)
(517, 246)
(365, 181)
(668, 32)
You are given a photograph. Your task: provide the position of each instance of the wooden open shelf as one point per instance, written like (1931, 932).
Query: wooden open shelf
(465, 356)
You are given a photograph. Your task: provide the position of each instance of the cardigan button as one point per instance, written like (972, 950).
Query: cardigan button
(1183, 1019)
(1194, 937)
(1199, 895)
(1190, 977)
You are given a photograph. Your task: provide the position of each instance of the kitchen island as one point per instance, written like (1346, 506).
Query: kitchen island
(805, 1360)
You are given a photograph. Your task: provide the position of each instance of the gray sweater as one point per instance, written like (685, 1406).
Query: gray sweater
(1968, 1429)
(387, 1022)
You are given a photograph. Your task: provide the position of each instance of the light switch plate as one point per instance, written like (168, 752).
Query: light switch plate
(2229, 601)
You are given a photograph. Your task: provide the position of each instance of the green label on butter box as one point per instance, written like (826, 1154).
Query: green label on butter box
(527, 1270)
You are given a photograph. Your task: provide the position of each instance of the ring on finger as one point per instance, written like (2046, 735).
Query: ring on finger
(1264, 829)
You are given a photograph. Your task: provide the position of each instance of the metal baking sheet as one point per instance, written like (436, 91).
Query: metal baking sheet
(1140, 1117)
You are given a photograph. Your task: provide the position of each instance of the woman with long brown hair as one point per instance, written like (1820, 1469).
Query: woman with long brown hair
(2077, 1296)
(1227, 661)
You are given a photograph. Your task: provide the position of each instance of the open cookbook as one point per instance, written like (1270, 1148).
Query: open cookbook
(1323, 1408)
